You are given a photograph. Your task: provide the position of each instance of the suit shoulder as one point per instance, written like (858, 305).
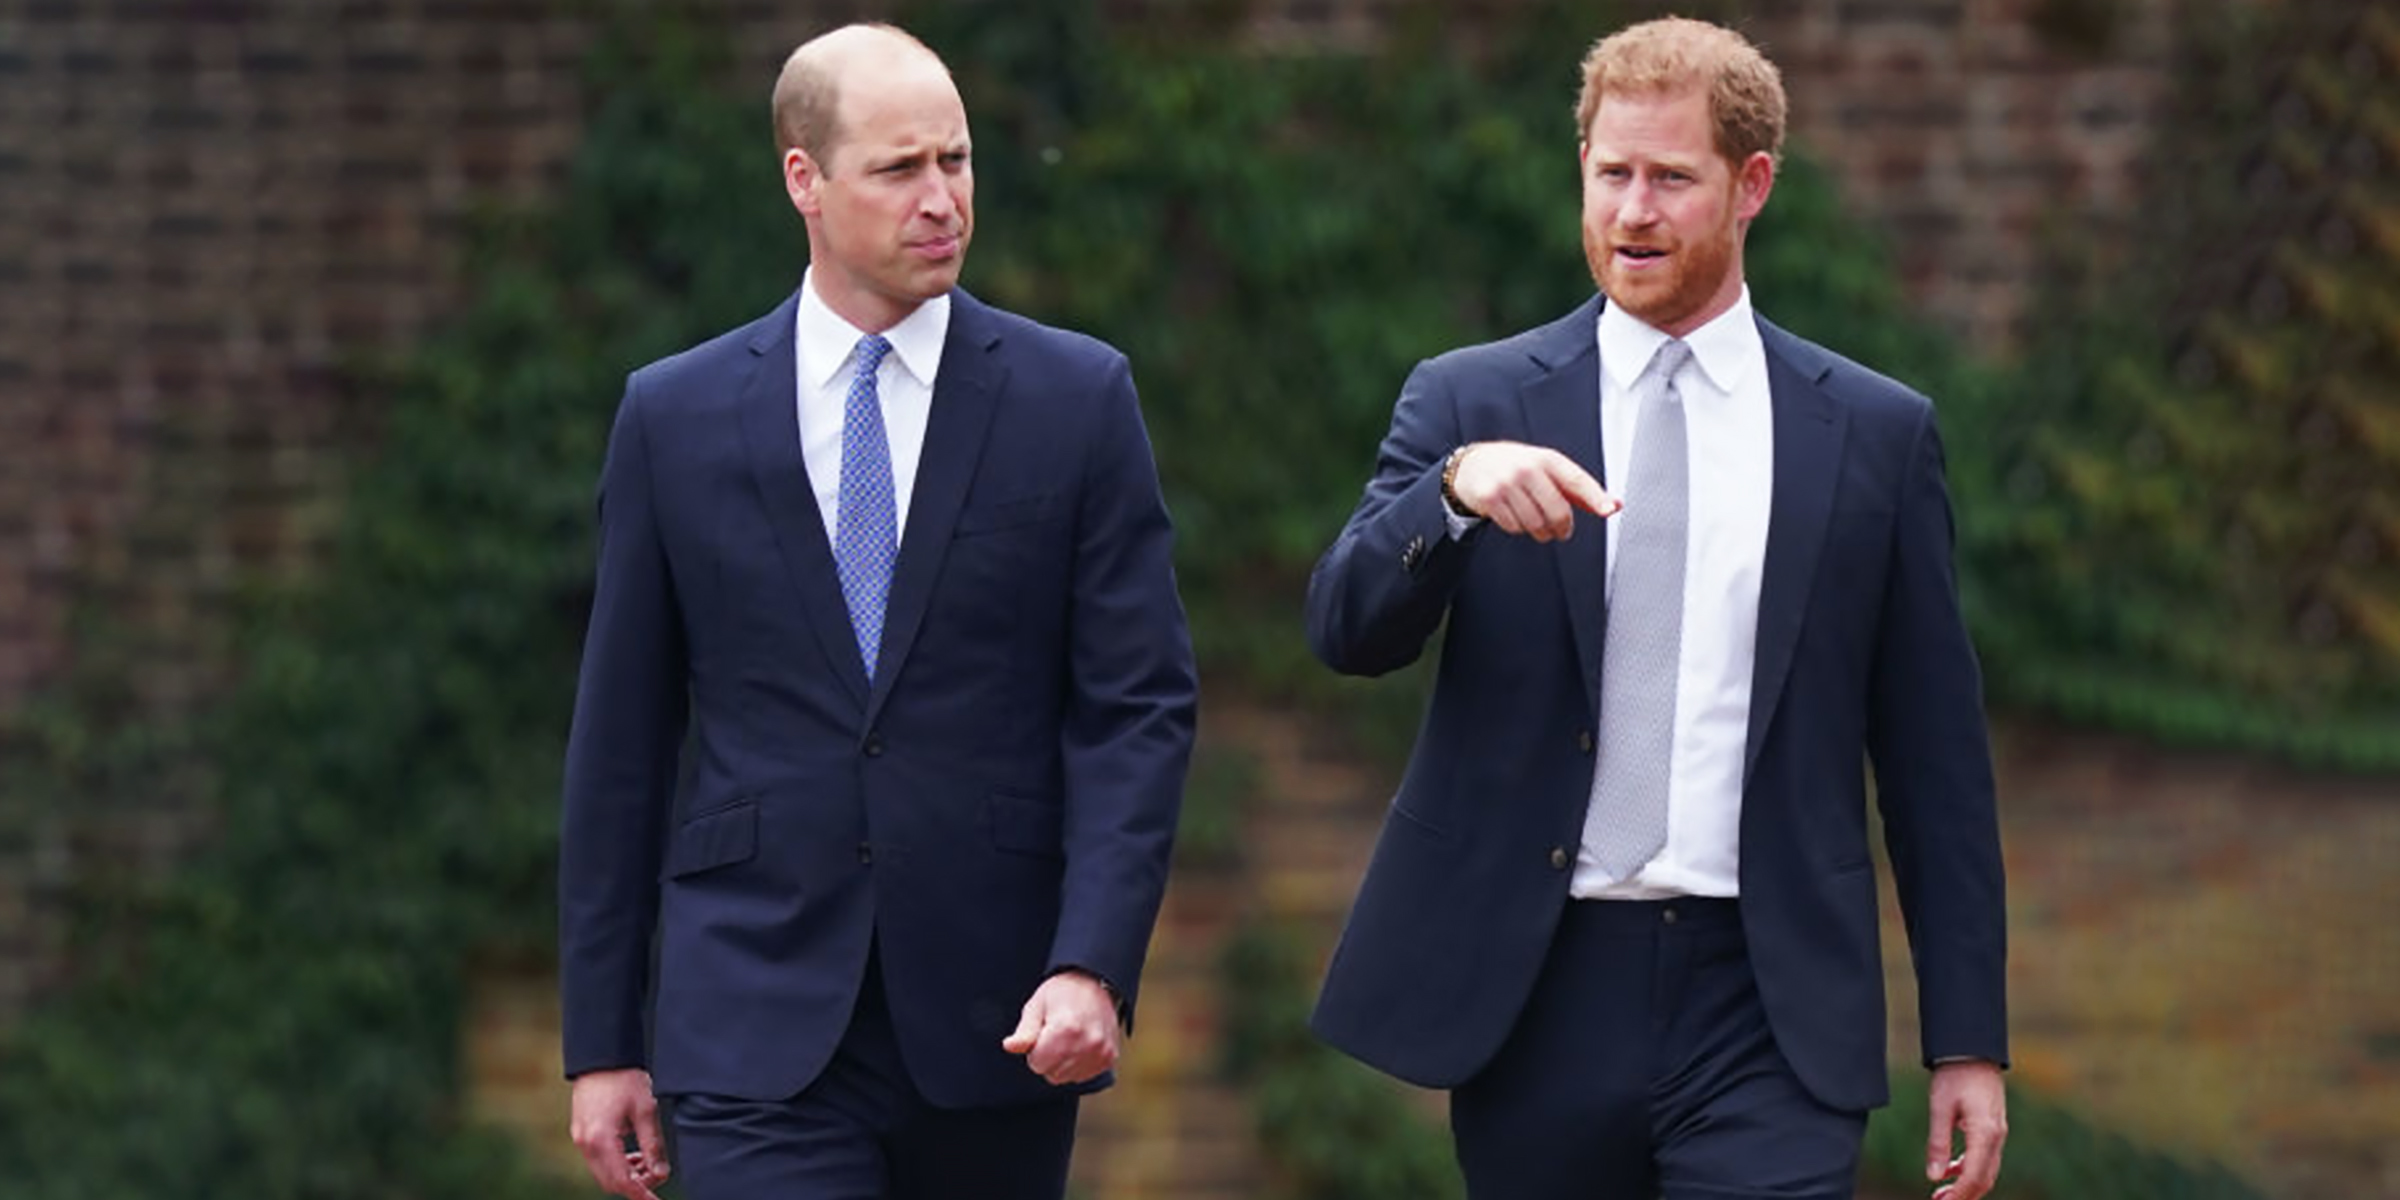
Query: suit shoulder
(1544, 345)
(1865, 390)
(1050, 346)
(730, 348)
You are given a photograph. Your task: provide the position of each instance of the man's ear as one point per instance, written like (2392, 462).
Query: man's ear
(801, 180)
(1751, 183)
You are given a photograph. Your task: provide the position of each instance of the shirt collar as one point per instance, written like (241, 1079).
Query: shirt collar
(826, 340)
(1627, 344)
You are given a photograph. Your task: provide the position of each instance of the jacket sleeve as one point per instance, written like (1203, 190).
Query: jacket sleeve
(621, 767)
(1933, 771)
(1382, 588)
(1131, 711)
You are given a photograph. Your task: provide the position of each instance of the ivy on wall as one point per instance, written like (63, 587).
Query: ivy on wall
(281, 1020)
(1334, 1129)
(2187, 517)
(1273, 238)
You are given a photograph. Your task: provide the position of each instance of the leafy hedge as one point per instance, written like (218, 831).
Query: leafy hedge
(281, 1021)
(1275, 239)
(2188, 521)
(1272, 238)
(1334, 1129)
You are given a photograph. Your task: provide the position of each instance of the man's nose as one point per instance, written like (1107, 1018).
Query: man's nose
(937, 201)
(1637, 210)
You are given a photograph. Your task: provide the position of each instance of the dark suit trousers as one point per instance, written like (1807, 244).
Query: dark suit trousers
(1643, 1068)
(861, 1131)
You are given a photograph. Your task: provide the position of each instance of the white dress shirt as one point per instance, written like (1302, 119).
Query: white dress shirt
(824, 350)
(1729, 423)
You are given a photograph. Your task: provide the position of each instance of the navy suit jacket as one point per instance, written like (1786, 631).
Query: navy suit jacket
(998, 804)
(1861, 654)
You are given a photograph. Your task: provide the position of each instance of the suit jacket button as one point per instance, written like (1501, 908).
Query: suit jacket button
(874, 746)
(866, 853)
(1558, 858)
(1583, 740)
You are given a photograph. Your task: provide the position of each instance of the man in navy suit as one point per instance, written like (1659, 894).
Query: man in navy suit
(884, 712)
(1623, 905)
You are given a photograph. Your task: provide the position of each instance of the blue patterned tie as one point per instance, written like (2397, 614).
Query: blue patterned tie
(866, 528)
(1626, 824)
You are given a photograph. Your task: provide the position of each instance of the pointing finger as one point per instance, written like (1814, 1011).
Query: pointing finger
(1583, 491)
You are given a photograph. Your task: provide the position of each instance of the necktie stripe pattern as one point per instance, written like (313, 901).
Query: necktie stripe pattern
(1626, 823)
(866, 531)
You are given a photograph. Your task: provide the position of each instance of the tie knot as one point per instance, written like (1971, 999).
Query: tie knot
(1671, 355)
(871, 350)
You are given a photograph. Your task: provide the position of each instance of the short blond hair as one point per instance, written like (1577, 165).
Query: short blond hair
(807, 101)
(1673, 54)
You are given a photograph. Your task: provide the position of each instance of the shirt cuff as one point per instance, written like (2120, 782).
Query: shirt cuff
(1460, 523)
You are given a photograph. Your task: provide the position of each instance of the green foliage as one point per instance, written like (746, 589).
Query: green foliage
(1276, 240)
(1334, 1129)
(282, 1020)
(1217, 800)
(1273, 239)
(2190, 519)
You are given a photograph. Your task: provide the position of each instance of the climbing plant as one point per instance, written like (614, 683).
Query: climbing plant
(1274, 237)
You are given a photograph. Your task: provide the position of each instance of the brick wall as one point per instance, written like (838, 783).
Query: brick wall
(210, 210)
(1965, 129)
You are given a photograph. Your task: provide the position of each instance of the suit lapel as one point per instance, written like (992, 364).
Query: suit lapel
(1808, 449)
(1562, 410)
(964, 395)
(771, 434)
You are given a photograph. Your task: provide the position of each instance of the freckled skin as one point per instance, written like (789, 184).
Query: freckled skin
(1654, 180)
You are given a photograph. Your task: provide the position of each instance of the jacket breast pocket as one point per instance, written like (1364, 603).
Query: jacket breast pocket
(1012, 513)
(717, 838)
(1868, 519)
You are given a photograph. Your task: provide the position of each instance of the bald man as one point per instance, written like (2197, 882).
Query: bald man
(892, 566)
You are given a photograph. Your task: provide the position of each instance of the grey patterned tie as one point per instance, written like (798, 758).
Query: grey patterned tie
(1626, 823)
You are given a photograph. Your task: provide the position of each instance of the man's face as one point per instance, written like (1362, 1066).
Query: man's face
(1663, 211)
(892, 210)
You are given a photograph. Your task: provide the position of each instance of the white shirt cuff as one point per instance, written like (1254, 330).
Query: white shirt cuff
(1460, 523)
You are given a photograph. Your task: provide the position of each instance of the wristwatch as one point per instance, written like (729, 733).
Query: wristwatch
(1450, 483)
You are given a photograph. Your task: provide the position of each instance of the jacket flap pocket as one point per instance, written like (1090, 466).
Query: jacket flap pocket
(714, 839)
(1026, 826)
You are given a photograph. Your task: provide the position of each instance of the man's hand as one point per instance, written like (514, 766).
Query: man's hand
(1532, 490)
(1068, 1033)
(1968, 1098)
(604, 1107)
